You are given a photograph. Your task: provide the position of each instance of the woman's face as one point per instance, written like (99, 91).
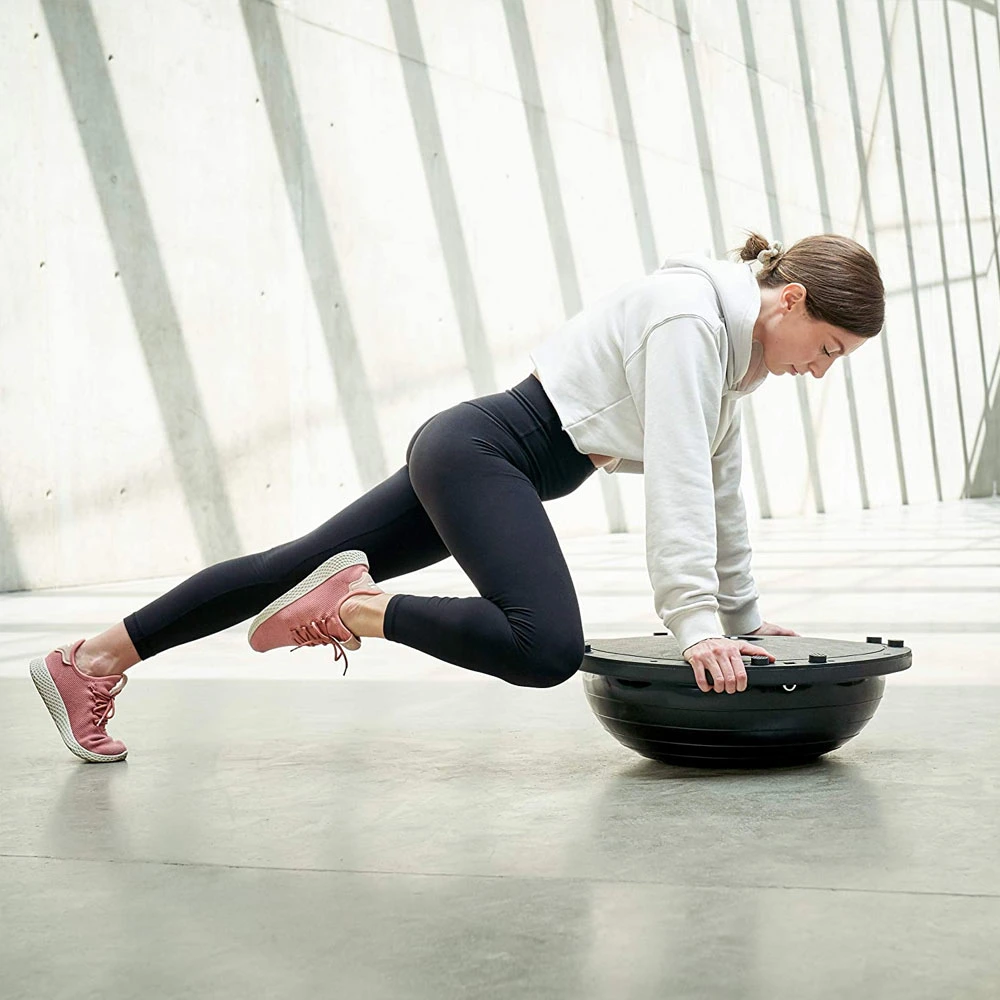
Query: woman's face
(794, 342)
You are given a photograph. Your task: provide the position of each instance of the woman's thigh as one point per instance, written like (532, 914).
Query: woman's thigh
(488, 513)
(388, 523)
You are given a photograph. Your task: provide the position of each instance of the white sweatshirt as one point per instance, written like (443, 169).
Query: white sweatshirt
(652, 374)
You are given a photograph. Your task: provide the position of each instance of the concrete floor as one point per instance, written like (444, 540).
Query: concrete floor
(414, 830)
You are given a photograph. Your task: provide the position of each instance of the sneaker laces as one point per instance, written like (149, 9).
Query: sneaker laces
(316, 634)
(104, 698)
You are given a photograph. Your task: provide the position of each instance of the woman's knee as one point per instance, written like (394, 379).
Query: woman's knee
(556, 664)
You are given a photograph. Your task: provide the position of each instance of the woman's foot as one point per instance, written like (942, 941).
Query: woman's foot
(310, 613)
(80, 705)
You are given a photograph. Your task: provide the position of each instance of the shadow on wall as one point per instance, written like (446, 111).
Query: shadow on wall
(777, 226)
(11, 573)
(441, 188)
(83, 65)
(305, 199)
(986, 474)
(553, 205)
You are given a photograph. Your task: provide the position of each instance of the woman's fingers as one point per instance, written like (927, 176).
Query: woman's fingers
(705, 671)
(728, 673)
(703, 677)
(699, 676)
(718, 668)
(740, 670)
(722, 673)
(719, 665)
(716, 671)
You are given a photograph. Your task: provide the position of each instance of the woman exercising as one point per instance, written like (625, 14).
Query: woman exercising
(646, 379)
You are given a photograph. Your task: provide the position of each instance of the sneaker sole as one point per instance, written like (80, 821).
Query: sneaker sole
(46, 687)
(322, 573)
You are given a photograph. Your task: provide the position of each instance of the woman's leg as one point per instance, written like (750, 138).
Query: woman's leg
(471, 477)
(473, 486)
(388, 523)
(111, 652)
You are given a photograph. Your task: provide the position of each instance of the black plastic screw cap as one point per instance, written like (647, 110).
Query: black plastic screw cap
(586, 647)
(896, 642)
(874, 638)
(817, 657)
(759, 661)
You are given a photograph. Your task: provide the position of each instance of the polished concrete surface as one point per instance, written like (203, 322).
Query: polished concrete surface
(413, 830)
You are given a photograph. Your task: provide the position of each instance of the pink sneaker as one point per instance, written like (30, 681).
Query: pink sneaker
(309, 613)
(79, 705)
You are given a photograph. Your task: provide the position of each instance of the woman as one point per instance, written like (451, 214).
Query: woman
(646, 379)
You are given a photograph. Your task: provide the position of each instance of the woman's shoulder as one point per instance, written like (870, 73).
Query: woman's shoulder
(662, 296)
(677, 292)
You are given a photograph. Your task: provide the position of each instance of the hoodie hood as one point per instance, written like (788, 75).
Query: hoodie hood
(739, 303)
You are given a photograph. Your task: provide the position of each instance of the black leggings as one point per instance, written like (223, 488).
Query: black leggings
(472, 487)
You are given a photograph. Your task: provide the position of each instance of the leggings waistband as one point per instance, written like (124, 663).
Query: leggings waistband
(532, 435)
(531, 394)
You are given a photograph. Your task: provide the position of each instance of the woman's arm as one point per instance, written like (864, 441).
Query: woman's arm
(737, 591)
(676, 380)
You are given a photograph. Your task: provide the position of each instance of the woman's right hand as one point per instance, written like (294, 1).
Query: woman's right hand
(721, 659)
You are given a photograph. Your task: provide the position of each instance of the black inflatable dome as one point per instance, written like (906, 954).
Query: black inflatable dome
(815, 696)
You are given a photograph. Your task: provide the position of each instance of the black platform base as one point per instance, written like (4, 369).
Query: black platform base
(818, 694)
(764, 726)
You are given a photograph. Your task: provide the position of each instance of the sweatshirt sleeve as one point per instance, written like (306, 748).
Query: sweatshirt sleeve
(679, 402)
(737, 592)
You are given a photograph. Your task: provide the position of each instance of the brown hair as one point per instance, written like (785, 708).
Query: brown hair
(841, 279)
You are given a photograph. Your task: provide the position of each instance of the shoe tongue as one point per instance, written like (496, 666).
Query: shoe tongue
(109, 682)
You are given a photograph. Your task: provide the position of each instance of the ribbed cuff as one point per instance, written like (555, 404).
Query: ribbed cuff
(693, 626)
(744, 621)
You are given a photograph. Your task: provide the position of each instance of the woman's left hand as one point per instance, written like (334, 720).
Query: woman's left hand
(768, 629)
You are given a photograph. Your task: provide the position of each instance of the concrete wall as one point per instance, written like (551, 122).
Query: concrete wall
(248, 246)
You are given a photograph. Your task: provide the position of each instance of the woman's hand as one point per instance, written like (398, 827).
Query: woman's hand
(721, 658)
(768, 629)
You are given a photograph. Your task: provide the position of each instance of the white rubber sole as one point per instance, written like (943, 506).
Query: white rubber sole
(322, 573)
(46, 687)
